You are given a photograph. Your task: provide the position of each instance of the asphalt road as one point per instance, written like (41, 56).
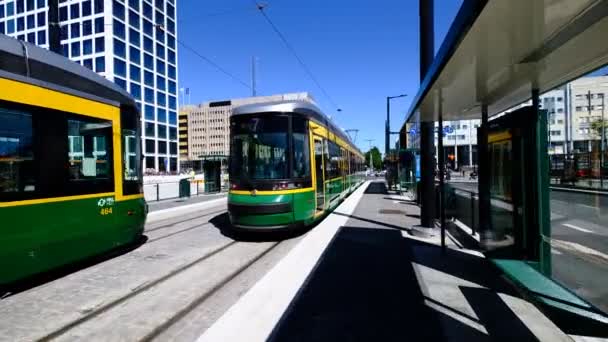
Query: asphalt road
(579, 235)
(190, 270)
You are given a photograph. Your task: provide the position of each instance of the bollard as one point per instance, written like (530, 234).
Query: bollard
(157, 192)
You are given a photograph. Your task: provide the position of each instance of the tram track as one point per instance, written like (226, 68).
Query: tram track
(104, 308)
(180, 313)
(205, 296)
(174, 223)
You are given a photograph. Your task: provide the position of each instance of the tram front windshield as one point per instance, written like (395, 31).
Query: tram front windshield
(259, 148)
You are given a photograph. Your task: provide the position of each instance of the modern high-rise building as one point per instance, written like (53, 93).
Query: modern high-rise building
(130, 42)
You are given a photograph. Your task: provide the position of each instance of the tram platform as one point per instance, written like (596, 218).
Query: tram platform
(361, 275)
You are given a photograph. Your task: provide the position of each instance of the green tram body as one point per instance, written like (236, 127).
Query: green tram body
(269, 189)
(70, 163)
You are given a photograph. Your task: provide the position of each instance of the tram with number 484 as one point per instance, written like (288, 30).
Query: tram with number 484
(289, 165)
(70, 163)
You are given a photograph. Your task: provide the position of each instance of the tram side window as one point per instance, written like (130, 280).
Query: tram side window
(17, 171)
(89, 152)
(301, 149)
(333, 167)
(131, 151)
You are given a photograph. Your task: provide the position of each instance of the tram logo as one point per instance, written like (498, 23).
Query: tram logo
(254, 192)
(108, 201)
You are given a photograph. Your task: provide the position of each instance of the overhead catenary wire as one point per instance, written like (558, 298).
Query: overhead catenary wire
(291, 49)
(213, 64)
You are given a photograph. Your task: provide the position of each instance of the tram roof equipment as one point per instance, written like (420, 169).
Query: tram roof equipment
(22, 61)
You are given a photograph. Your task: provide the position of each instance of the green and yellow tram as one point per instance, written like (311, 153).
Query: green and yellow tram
(70, 163)
(289, 165)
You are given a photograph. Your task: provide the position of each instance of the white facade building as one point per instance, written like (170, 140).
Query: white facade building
(131, 42)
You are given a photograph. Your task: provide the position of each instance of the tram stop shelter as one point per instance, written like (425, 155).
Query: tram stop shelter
(497, 55)
(213, 170)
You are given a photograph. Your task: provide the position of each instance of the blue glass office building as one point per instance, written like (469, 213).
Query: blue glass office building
(131, 42)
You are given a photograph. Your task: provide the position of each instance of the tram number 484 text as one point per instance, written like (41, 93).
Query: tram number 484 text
(105, 211)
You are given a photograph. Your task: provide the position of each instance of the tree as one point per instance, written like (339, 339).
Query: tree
(376, 158)
(596, 127)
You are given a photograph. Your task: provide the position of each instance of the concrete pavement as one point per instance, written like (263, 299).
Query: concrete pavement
(374, 281)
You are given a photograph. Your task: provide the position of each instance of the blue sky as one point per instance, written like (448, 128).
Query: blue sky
(359, 51)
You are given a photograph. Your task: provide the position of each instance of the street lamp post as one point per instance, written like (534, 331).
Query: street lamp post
(371, 167)
(387, 129)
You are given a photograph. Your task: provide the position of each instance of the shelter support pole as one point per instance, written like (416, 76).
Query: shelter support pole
(427, 148)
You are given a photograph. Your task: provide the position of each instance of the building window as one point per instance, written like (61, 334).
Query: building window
(10, 9)
(87, 47)
(41, 37)
(147, 10)
(172, 102)
(20, 25)
(75, 47)
(135, 73)
(121, 82)
(74, 11)
(172, 87)
(172, 133)
(172, 118)
(133, 37)
(148, 61)
(150, 129)
(148, 45)
(150, 146)
(148, 28)
(120, 67)
(99, 25)
(579, 108)
(149, 95)
(134, 19)
(160, 66)
(136, 91)
(134, 4)
(99, 6)
(149, 112)
(161, 99)
(100, 64)
(162, 147)
(41, 19)
(119, 48)
(86, 8)
(87, 28)
(162, 115)
(134, 55)
(160, 82)
(31, 21)
(149, 78)
(162, 131)
(172, 73)
(99, 44)
(119, 10)
(119, 29)
(88, 63)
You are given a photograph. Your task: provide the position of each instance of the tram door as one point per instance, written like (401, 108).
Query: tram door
(319, 167)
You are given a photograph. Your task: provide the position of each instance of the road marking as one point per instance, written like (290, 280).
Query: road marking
(577, 228)
(555, 251)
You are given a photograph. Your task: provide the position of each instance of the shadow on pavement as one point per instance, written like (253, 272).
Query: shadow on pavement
(62, 271)
(376, 187)
(222, 223)
(365, 288)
